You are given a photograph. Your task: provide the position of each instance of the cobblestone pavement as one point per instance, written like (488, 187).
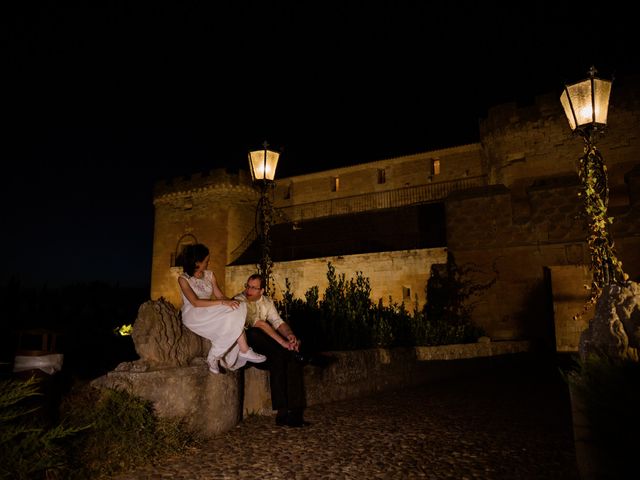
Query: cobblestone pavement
(510, 424)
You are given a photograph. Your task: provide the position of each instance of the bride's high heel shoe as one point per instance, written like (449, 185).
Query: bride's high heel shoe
(214, 367)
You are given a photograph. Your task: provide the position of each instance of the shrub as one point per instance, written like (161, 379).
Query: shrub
(345, 318)
(124, 432)
(29, 447)
(450, 300)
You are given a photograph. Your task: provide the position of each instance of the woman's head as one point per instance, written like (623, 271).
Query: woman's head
(192, 254)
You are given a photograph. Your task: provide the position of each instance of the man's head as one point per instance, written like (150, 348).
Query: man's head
(254, 287)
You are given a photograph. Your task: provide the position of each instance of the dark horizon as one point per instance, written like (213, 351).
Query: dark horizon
(104, 102)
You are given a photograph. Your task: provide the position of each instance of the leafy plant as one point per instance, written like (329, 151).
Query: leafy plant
(606, 267)
(451, 294)
(345, 318)
(124, 432)
(29, 447)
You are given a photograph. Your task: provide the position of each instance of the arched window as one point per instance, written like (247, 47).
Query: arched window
(176, 257)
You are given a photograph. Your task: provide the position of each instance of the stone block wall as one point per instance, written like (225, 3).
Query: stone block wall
(389, 273)
(213, 404)
(364, 372)
(515, 245)
(569, 297)
(411, 170)
(219, 215)
(524, 143)
(524, 220)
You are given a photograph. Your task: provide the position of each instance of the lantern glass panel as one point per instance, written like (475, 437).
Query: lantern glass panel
(601, 92)
(263, 164)
(568, 111)
(256, 162)
(271, 164)
(580, 94)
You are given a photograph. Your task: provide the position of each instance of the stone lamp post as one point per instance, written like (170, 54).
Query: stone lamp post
(262, 164)
(586, 105)
(604, 391)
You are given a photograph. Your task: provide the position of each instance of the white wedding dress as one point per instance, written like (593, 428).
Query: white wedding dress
(220, 324)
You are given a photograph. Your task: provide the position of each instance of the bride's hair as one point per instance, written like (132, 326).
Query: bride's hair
(192, 254)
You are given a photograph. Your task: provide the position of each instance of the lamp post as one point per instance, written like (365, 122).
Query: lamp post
(262, 164)
(586, 104)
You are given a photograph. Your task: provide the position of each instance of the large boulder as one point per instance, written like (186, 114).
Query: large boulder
(161, 340)
(173, 373)
(615, 327)
(208, 404)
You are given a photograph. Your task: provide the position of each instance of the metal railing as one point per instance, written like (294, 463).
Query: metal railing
(432, 192)
(401, 197)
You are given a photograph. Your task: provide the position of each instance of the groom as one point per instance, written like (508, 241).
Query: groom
(269, 335)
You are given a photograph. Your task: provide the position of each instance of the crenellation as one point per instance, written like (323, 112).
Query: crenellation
(201, 181)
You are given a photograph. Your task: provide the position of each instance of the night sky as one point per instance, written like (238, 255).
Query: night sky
(101, 101)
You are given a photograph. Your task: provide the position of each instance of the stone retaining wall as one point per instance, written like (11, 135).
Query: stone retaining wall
(213, 404)
(362, 372)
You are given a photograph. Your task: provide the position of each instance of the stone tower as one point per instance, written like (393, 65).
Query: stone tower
(216, 208)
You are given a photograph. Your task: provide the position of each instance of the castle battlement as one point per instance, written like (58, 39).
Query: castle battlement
(625, 95)
(201, 182)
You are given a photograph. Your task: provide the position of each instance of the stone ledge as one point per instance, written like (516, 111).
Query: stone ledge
(471, 350)
(213, 404)
(209, 404)
(362, 372)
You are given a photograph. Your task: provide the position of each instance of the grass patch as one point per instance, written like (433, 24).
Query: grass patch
(124, 433)
(102, 433)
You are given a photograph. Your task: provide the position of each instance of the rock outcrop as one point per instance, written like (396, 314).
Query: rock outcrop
(615, 327)
(173, 373)
(161, 340)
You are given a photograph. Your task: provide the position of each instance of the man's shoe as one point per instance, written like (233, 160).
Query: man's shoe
(299, 423)
(252, 356)
(281, 418)
(295, 419)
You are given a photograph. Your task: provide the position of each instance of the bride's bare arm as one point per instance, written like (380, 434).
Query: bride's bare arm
(201, 302)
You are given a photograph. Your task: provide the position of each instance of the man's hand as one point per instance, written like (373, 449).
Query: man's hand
(294, 343)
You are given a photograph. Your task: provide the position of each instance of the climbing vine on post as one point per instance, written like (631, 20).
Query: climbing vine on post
(586, 105)
(606, 267)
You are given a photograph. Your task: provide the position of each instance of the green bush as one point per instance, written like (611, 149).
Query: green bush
(124, 433)
(29, 446)
(345, 318)
(450, 294)
(103, 432)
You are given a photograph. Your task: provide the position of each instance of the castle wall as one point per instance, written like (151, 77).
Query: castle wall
(522, 228)
(524, 143)
(219, 213)
(389, 273)
(412, 170)
(482, 230)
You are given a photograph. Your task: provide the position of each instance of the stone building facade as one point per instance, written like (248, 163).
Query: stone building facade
(510, 206)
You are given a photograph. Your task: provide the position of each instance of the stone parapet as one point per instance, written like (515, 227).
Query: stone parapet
(213, 404)
(471, 350)
(363, 372)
